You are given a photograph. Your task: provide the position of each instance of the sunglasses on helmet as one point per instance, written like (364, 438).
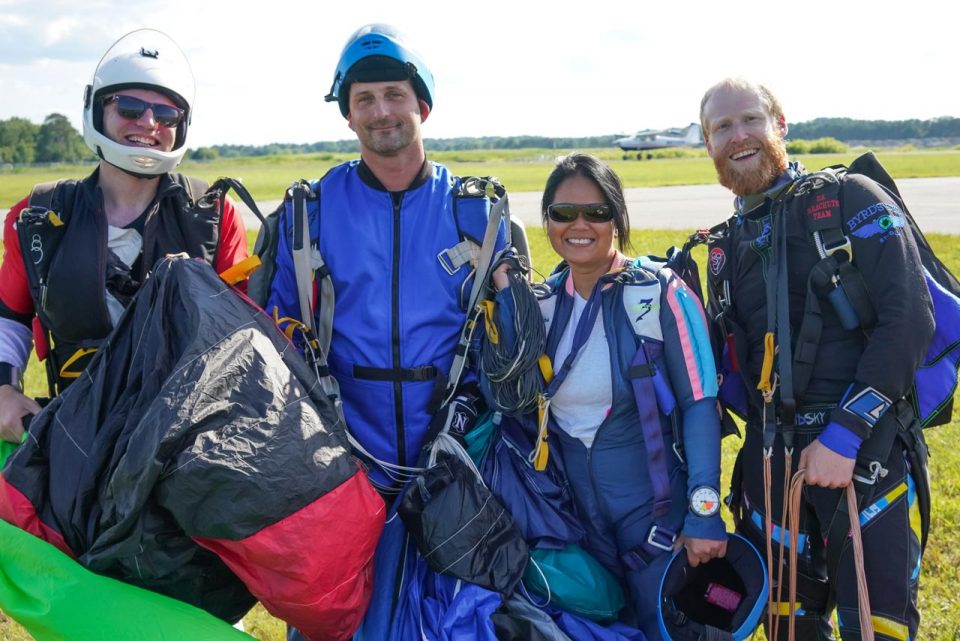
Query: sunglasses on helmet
(132, 108)
(568, 212)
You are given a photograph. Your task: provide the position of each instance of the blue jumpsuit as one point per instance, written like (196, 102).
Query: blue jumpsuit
(610, 480)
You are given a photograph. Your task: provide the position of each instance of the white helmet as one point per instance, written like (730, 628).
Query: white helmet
(142, 59)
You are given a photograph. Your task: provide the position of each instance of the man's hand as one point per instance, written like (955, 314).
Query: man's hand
(500, 279)
(701, 550)
(13, 407)
(825, 467)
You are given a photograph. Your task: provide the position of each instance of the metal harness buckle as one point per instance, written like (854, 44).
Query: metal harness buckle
(661, 538)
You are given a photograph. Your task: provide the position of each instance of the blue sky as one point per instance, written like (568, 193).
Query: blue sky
(558, 68)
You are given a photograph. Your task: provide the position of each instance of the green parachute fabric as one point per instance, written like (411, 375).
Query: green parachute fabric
(56, 599)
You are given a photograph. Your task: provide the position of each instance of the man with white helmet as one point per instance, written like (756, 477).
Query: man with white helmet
(76, 252)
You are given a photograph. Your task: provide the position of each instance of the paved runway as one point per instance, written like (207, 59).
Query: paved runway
(934, 202)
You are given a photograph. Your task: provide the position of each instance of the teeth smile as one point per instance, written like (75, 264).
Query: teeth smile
(579, 241)
(142, 141)
(743, 154)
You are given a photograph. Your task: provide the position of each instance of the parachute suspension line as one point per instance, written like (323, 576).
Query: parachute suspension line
(793, 501)
(772, 614)
(513, 376)
(863, 596)
(794, 530)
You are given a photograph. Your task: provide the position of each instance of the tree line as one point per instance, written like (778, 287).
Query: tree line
(55, 140)
(23, 142)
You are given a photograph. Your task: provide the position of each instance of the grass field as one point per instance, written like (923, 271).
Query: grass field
(267, 177)
(941, 566)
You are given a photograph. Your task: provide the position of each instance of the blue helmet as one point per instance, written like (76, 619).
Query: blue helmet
(721, 599)
(376, 53)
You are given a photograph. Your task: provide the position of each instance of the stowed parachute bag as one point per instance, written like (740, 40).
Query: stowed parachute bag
(720, 600)
(191, 458)
(461, 529)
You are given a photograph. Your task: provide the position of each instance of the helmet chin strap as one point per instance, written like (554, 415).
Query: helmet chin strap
(127, 171)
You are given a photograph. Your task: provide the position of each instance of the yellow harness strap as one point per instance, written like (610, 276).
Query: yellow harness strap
(766, 371)
(65, 372)
(493, 334)
(541, 452)
(241, 271)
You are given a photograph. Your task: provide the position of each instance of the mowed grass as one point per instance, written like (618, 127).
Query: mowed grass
(267, 177)
(941, 566)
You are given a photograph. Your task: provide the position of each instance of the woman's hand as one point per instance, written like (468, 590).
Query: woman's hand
(702, 550)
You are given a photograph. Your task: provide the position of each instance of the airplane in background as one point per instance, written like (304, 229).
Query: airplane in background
(650, 139)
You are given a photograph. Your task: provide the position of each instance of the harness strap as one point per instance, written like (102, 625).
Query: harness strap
(301, 255)
(487, 258)
(788, 402)
(396, 375)
(644, 394)
(452, 259)
(659, 539)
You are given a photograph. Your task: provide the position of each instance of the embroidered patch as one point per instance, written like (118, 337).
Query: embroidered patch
(823, 207)
(874, 210)
(868, 404)
(642, 308)
(717, 260)
(881, 226)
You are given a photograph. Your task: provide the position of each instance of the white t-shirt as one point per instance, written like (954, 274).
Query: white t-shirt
(126, 243)
(586, 395)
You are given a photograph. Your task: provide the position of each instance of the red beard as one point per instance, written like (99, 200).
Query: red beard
(773, 162)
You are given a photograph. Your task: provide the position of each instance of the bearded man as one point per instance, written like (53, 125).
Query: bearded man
(841, 401)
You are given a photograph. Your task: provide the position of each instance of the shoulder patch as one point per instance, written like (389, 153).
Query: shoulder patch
(641, 302)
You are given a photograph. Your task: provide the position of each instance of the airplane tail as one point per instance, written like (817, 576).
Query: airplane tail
(693, 136)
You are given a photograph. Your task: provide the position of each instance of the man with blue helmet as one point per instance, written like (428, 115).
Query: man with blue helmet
(381, 224)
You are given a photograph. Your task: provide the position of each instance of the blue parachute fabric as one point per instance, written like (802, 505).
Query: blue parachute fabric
(435, 607)
(538, 501)
(586, 630)
(936, 379)
(394, 551)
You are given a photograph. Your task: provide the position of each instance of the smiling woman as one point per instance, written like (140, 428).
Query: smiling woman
(608, 319)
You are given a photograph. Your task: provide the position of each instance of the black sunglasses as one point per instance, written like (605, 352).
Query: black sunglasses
(568, 212)
(132, 108)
